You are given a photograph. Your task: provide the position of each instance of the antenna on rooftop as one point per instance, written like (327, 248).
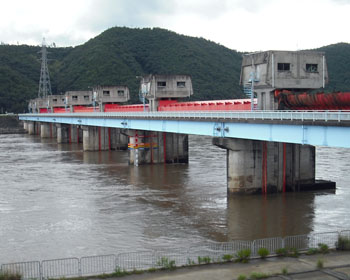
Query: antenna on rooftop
(44, 83)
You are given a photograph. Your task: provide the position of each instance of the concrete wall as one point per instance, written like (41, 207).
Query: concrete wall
(9, 124)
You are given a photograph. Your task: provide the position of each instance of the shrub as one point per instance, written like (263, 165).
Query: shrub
(282, 252)
(343, 243)
(323, 248)
(227, 257)
(263, 252)
(6, 275)
(319, 264)
(242, 277)
(243, 255)
(258, 275)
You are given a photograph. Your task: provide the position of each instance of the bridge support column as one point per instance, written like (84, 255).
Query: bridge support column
(37, 127)
(264, 167)
(75, 134)
(31, 128)
(53, 130)
(117, 139)
(45, 130)
(25, 126)
(147, 147)
(95, 138)
(62, 133)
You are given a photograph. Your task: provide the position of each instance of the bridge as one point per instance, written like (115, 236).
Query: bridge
(317, 128)
(270, 148)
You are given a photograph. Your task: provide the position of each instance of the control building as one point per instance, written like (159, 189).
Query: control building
(268, 71)
(155, 88)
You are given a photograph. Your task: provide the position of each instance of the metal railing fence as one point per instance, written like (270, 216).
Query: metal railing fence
(144, 260)
(325, 116)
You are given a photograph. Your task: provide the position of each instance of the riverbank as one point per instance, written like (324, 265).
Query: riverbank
(9, 124)
(336, 265)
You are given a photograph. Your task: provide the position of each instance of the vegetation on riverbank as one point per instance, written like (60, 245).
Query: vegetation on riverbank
(119, 54)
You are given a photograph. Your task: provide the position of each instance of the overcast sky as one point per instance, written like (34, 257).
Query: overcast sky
(244, 25)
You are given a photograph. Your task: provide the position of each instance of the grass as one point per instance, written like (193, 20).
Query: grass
(263, 252)
(242, 277)
(284, 271)
(243, 256)
(293, 252)
(6, 275)
(323, 248)
(227, 257)
(165, 263)
(259, 275)
(190, 262)
(343, 243)
(312, 251)
(319, 264)
(281, 252)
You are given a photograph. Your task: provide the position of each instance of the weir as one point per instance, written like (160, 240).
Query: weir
(255, 164)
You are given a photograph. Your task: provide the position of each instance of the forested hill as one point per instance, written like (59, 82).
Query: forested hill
(118, 55)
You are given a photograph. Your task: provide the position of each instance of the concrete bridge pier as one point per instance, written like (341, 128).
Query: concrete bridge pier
(75, 134)
(25, 126)
(62, 133)
(53, 130)
(148, 147)
(45, 130)
(264, 167)
(117, 139)
(31, 128)
(37, 128)
(95, 138)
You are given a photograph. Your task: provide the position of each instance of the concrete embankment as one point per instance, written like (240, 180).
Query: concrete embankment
(336, 265)
(9, 124)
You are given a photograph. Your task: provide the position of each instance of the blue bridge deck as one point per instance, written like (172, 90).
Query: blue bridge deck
(318, 128)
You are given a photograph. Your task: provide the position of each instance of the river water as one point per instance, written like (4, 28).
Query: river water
(57, 201)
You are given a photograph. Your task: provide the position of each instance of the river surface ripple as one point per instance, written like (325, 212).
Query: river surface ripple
(57, 201)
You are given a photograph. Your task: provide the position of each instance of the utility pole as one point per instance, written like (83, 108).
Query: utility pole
(44, 83)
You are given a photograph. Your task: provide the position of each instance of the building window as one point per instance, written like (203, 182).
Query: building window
(311, 68)
(161, 84)
(120, 92)
(283, 66)
(181, 84)
(54, 100)
(86, 97)
(75, 97)
(106, 93)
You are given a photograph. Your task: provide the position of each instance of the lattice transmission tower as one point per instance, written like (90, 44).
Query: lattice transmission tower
(44, 83)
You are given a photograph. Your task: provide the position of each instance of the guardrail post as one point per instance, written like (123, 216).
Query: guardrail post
(40, 271)
(79, 267)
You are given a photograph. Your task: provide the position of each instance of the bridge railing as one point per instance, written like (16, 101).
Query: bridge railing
(325, 116)
(143, 260)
